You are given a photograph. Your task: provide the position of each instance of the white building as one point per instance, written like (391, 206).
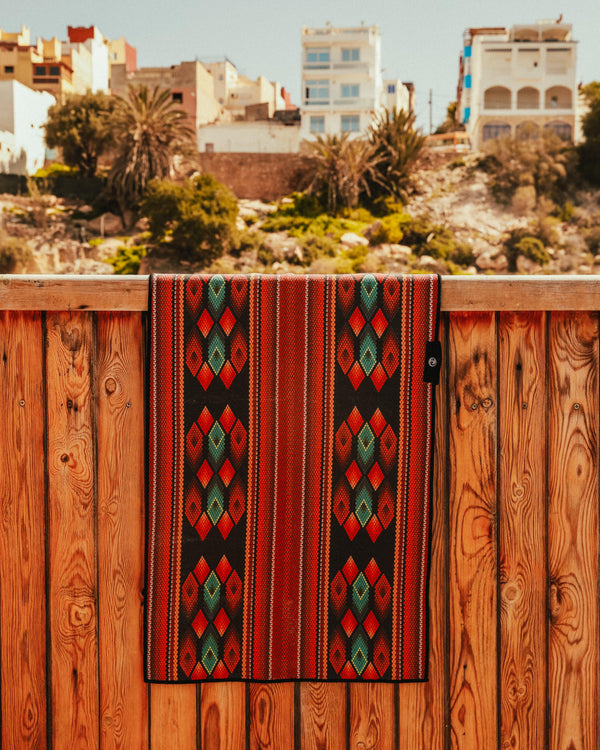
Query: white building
(89, 51)
(23, 113)
(517, 81)
(235, 92)
(260, 137)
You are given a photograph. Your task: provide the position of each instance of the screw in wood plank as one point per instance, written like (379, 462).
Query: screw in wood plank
(576, 406)
(22, 402)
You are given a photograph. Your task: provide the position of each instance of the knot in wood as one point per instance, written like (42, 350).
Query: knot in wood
(110, 385)
(80, 615)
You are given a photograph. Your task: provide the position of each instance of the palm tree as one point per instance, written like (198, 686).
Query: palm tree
(150, 130)
(397, 146)
(341, 169)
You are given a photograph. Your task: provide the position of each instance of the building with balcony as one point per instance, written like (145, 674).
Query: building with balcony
(514, 82)
(342, 85)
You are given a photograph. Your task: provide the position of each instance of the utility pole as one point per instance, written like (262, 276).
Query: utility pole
(430, 111)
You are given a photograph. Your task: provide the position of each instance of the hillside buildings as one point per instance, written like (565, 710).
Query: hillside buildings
(516, 81)
(342, 84)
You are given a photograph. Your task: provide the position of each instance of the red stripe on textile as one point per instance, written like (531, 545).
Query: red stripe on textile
(160, 477)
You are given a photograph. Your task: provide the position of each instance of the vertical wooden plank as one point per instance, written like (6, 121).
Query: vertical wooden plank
(72, 543)
(123, 694)
(522, 365)
(223, 716)
(472, 515)
(173, 717)
(372, 717)
(323, 716)
(271, 716)
(22, 522)
(573, 531)
(421, 714)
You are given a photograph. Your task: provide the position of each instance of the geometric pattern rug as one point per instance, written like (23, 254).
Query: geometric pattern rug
(289, 465)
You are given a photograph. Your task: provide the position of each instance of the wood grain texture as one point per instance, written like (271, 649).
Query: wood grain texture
(123, 694)
(22, 554)
(322, 716)
(223, 716)
(421, 714)
(71, 532)
(372, 717)
(573, 531)
(522, 363)
(271, 716)
(173, 717)
(472, 516)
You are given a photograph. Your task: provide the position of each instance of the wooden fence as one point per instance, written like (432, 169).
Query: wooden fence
(514, 634)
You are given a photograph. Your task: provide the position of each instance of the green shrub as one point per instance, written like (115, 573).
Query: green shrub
(53, 169)
(521, 242)
(391, 229)
(592, 239)
(197, 218)
(321, 225)
(128, 259)
(317, 246)
(351, 260)
(13, 252)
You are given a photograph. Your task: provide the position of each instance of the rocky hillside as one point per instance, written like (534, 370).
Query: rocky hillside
(44, 234)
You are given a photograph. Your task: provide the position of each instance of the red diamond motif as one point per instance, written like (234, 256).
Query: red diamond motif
(227, 419)
(348, 672)
(377, 422)
(237, 444)
(378, 376)
(193, 503)
(205, 421)
(356, 375)
(379, 323)
(391, 295)
(355, 420)
(348, 623)
(239, 292)
(353, 474)
(338, 594)
(343, 443)
(193, 446)
(187, 653)
(199, 624)
(370, 624)
(387, 448)
(341, 502)
(231, 650)
(225, 525)
(227, 374)
(356, 321)
(385, 506)
(370, 673)
(199, 673)
(345, 351)
(193, 352)
(221, 622)
(227, 472)
(189, 596)
(390, 353)
(201, 570)
(375, 476)
(223, 569)
(352, 526)
(193, 294)
(220, 672)
(382, 597)
(374, 528)
(205, 474)
(350, 570)
(345, 292)
(203, 526)
(372, 571)
(227, 321)
(337, 651)
(233, 589)
(205, 323)
(239, 350)
(381, 654)
(205, 376)
(237, 500)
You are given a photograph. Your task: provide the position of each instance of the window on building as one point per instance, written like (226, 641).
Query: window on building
(350, 91)
(350, 54)
(9, 68)
(528, 98)
(496, 97)
(177, 97)
(317, 56)
(558, 97)
(317, 124)
(317, 92)
(493, 130)
(54, 70)
(527, 131)
(391, 89)
(40, 70)
(561, 129)
(350, 123)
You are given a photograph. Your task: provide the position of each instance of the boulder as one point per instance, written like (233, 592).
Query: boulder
(107, 224)
(351, 239)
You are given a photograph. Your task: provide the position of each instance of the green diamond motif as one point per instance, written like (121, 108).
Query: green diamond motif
(360, 593)
(364, 506)
(216, 442)
(366, 445)
(215, 504)
(212, 589)
(216, 353)
(368, 291)
(210, 652)
(368, 354)
(216, 293)
(359, 654)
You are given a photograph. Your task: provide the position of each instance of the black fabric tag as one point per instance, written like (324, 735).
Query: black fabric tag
(433, 362)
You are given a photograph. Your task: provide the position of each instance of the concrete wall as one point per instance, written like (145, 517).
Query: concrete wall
(23, 113)
(260, 176)
(249, 137)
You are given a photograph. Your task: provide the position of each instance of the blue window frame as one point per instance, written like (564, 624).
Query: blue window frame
(350, 90)
(350, 54)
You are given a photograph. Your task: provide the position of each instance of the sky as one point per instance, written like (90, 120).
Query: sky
(421, 40)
